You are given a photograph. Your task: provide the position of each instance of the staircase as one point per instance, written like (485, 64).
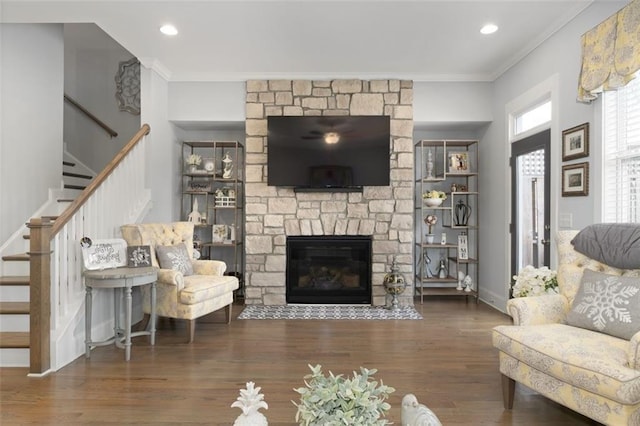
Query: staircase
(14, 289)
(42, 295)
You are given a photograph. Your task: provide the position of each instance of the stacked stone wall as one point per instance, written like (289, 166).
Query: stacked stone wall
(273, 213)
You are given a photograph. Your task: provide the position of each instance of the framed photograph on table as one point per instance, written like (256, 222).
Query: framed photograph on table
(575, 142)
(575, 179)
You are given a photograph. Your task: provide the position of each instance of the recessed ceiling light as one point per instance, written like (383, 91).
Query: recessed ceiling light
(489, 29)
(168, 29)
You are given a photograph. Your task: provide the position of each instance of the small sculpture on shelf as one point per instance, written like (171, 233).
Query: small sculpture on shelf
(462, 213)
(195, 215)
(442, 269)
(430, 164)
(468, 283)
(460, 281)
(228, 166)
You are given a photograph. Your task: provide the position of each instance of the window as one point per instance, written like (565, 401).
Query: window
(621, 154)
(534, 117)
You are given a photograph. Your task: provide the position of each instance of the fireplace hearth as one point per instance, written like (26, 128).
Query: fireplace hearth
(328, 269)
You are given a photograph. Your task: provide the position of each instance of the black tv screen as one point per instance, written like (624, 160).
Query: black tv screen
(328, 152)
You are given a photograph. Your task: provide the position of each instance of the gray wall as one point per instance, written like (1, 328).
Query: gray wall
(91, 61)
(31, 119)
(559, 58)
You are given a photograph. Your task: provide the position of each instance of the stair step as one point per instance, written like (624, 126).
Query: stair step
(14, 308)
(77, 175)
(68, 163)
(22, 257)
(14, 339)
(14, 280)
(74, 187)
(65, 200)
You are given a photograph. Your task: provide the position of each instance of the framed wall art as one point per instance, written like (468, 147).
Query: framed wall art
(575, 179)
(575, 142)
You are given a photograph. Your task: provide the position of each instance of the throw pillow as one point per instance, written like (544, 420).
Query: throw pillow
(607, 303)
(614, 244)
(175, 257)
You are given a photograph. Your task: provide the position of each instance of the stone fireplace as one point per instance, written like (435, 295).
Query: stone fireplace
(382, 214)
(328, 269)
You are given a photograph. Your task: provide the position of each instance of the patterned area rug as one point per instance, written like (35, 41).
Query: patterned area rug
(332, 312)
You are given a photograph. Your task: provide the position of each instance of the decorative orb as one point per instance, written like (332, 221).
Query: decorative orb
(394, 284)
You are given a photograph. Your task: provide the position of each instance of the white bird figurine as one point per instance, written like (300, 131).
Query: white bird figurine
(250, 401)
(416, 414)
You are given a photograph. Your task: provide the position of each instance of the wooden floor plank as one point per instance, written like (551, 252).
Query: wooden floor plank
(446, 360)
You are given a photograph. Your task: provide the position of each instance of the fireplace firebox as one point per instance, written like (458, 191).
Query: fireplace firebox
(329, 269)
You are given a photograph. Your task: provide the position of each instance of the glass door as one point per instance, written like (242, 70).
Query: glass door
(530, 212)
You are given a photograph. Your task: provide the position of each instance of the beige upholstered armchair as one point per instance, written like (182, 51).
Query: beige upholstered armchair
(187, 288)
(587, 370)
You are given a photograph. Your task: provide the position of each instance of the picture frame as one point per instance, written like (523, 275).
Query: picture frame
(201, 186)
(575, 179)
(575, 142)
(219, 233)
(104, 254)
(459, 162)
(138, 256)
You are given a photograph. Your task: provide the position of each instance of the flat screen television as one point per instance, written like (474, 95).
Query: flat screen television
(328, 152)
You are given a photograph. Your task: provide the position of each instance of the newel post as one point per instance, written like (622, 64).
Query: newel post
(40, 295)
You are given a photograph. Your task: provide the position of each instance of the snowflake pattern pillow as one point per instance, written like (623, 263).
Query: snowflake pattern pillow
(175, 257)
(607, 303)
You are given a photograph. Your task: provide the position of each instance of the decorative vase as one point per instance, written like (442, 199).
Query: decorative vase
(394, 284)
(193, 168)
(433, 202)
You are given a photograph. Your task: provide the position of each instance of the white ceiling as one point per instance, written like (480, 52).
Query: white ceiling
(422, 40)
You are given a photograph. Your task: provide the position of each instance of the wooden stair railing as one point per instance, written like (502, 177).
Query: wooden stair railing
(42, 233)
(92, 117)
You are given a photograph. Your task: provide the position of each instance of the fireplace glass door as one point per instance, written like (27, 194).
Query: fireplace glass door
(329, 270)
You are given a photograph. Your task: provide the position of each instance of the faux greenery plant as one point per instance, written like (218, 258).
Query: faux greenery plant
(337, 400)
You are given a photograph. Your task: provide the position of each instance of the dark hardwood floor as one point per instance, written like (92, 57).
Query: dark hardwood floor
(446, 360)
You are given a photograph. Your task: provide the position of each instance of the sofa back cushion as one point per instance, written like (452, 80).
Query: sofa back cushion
(614, 244)
(607, 303)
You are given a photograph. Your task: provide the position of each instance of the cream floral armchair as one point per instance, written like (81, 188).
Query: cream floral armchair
(593, 373)
(203, 290)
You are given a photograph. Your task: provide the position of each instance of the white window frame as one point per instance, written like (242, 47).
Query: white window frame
(611, 196)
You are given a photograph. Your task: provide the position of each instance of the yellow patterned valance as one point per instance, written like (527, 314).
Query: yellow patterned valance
(610, 53)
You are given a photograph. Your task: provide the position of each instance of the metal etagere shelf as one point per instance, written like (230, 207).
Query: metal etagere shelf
(445, 265)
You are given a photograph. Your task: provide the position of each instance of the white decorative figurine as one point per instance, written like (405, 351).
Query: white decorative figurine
(195, 216)
(460, 279)
(468, 283)
(228, 166)
(416, 414)
(250, 401)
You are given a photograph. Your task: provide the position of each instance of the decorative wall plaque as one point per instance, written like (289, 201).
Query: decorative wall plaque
(128, 86)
